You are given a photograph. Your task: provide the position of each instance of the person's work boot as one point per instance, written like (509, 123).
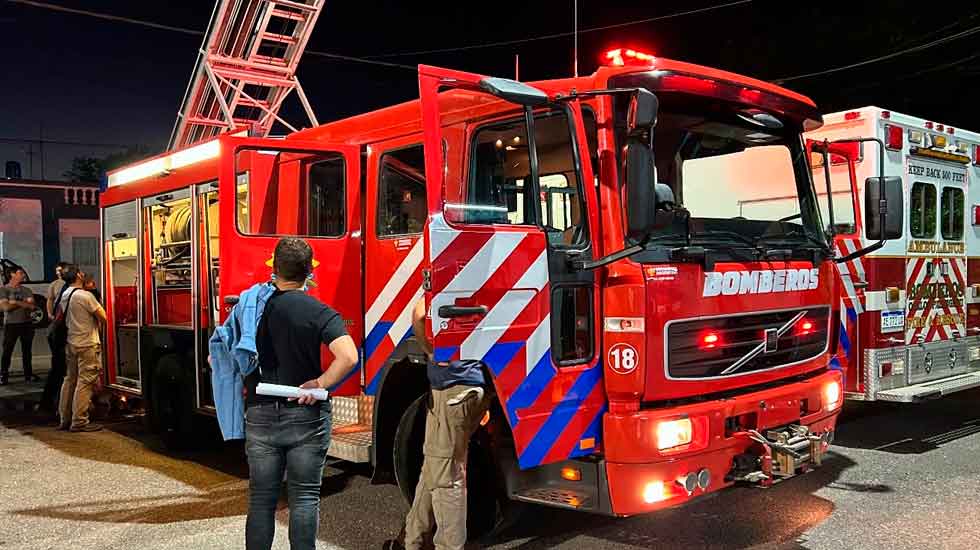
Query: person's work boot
(32, 378)
(86, 428)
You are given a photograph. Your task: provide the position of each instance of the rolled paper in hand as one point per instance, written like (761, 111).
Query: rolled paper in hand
(277, 390)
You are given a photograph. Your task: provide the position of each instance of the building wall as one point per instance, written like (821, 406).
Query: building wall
(41, 220)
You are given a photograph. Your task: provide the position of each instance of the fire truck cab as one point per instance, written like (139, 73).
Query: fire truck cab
(654, 325)
(910, 322)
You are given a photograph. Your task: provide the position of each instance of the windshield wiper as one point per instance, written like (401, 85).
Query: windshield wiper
(823, 245)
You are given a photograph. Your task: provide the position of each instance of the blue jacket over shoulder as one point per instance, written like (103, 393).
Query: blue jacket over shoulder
(234, 356)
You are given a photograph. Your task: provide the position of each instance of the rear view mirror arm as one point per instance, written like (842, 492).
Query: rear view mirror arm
(881, 194)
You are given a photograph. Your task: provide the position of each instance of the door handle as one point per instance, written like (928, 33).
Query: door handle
(447, 312)
(231, 299)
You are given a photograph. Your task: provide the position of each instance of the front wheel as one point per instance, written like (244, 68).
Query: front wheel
(484, 499)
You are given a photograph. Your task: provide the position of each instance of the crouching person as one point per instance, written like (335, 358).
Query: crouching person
(458, 402)
(274, 335)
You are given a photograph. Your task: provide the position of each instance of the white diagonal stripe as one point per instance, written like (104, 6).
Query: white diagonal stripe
(537, 275)
(440, 236)
(502, 315)
(851, 247)
(393, 287)
(404, 319)
(539, 343)
(484, 263)
(495, 323)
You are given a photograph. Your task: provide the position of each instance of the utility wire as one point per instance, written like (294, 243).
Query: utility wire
(561, 34)
(913, 49)
(62, 142)
(184, 30)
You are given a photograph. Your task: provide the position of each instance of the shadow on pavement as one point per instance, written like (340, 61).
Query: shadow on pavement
(216, 476)
(739, 517)
(909, 428)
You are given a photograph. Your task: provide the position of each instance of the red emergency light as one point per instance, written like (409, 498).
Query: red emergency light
(620, 57)
(894, 137)
(710, 340)
(976, 155)
(976, 215)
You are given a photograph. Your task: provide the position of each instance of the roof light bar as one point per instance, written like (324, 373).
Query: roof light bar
(162, 164)
(620, 57)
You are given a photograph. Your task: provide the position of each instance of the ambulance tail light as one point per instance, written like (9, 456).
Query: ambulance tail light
(976, 215)
(894, 137)
(976, 155)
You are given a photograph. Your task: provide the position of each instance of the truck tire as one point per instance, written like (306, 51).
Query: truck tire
(171, 408)
(484, 501)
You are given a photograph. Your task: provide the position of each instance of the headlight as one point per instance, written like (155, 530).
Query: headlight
(655, 491)
(973, 354)
(832, 395)
(674, 433)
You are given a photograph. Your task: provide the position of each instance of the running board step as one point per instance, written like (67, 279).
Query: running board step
(352, 433)
(931, 390)
(555, 496)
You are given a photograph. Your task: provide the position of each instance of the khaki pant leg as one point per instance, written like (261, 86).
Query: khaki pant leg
(448, 502)
(68, 386)
(445, 462)
(89, 364)
(420, 520)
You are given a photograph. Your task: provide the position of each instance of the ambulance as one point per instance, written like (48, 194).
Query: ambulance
(910, 309)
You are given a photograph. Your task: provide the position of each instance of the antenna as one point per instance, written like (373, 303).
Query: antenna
(575, 65)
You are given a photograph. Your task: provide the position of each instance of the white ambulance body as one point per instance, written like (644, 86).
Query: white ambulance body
(910, 311)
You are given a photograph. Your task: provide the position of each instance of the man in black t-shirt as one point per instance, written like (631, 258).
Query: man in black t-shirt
(291, 436)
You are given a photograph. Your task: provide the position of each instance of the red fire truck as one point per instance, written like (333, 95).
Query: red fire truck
(910, 323)
(653, 330)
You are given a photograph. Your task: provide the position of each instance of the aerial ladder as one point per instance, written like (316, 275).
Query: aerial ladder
(246, 68)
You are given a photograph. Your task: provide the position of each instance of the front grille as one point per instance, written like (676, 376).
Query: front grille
(688, 355)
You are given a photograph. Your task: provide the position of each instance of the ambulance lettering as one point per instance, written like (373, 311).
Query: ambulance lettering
(731, 283)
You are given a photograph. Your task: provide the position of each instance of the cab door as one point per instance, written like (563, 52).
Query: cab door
(269, 189)
(504, 219)
(842, 203)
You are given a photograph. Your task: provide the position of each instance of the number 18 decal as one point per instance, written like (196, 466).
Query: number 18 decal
(623, 358)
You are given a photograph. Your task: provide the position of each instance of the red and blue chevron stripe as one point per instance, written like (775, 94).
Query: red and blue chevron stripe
(388, 320)
(554, 413)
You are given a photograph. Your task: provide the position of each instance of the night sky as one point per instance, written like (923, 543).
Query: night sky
(84, 79)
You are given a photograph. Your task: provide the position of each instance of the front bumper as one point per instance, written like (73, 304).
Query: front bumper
(641, 478)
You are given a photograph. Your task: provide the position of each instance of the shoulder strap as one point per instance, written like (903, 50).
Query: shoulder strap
(60, 296)
(68, 303)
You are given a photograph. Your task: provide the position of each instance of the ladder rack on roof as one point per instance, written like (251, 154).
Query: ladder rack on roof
(246, 68)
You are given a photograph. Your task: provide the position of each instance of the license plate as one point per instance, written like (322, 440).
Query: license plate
(892, 321)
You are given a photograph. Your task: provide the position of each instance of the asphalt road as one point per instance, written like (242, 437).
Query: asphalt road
(899, 477)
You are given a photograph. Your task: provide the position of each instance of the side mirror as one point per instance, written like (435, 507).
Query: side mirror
(650, 206)
(642, 114)
(514, 91)
(883, 194)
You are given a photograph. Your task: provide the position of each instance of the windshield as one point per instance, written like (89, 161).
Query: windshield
(740, 173)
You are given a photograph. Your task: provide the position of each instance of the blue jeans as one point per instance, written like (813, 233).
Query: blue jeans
(291, 439)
